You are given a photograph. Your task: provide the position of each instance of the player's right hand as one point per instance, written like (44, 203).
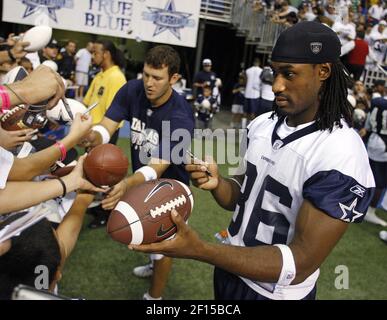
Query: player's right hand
(88, 140)
(197, 170)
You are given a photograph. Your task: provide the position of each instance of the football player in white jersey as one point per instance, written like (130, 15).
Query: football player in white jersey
(376, 124)
(307, 176)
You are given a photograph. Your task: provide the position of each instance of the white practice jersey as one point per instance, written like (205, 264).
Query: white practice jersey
(6, 163)
(285, 166)
(377, 124)
(253, 84)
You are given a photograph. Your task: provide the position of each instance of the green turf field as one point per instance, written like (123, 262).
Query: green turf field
(100, 268)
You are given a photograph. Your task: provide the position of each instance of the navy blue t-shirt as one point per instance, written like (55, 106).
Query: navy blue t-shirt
(152, 127)
(239, 97)
(204, 76)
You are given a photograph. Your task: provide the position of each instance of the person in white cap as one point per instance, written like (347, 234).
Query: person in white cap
(377, 150)
(205, 77)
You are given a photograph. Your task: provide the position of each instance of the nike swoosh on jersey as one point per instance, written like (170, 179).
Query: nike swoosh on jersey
(157, 188)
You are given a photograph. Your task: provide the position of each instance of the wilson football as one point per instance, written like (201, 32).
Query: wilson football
(12, 120)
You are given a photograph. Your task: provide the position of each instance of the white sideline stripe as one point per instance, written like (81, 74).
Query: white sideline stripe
(133, 221)
(188, 192)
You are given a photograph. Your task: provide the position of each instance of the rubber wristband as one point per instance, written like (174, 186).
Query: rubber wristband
(5, 99)
(63, 186)
(62, 150)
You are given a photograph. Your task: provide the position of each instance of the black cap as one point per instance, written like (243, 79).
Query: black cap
(379, 83)
(53, 44)
(307, 42)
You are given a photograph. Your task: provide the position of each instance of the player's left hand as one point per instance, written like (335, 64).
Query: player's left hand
(114, 195)
(185, 244)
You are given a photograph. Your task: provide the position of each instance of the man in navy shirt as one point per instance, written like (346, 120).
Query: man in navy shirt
(162, 126)
(206, 77)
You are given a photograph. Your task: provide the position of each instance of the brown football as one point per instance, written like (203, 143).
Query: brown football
(143, 215)
(64, 171)
(105, 165)
(12, 120)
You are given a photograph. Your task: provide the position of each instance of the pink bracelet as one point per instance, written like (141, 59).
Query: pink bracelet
(62, 149)
(5, 100)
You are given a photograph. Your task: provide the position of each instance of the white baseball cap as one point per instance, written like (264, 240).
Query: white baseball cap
(207, 62)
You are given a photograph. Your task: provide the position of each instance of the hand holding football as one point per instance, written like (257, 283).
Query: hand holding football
(144, 213)
(105, 165)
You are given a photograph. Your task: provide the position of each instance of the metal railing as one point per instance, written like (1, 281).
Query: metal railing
(370, 75)
(254, 25)
(218, 10)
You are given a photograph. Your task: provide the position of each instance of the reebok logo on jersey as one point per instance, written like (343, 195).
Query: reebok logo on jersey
(268, 160)
(358, 190)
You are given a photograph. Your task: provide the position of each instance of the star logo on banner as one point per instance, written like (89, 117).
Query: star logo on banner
(348, 211)
(34, 6)
(168, 19)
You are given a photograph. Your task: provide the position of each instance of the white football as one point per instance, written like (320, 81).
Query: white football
(38, 37)
(206, 104)
(51, 64)
(59, 113)
(359, 115)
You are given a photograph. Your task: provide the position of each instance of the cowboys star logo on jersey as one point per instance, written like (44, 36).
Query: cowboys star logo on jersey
(350, 211)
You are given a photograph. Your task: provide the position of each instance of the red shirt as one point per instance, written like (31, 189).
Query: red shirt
(359, 54)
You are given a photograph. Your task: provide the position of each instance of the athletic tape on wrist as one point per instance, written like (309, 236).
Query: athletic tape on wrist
(288, 271)
(148, 172)
(103, 132)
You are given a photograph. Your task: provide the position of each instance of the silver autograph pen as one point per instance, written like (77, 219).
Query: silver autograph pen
(195, 158)
(90, 108)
